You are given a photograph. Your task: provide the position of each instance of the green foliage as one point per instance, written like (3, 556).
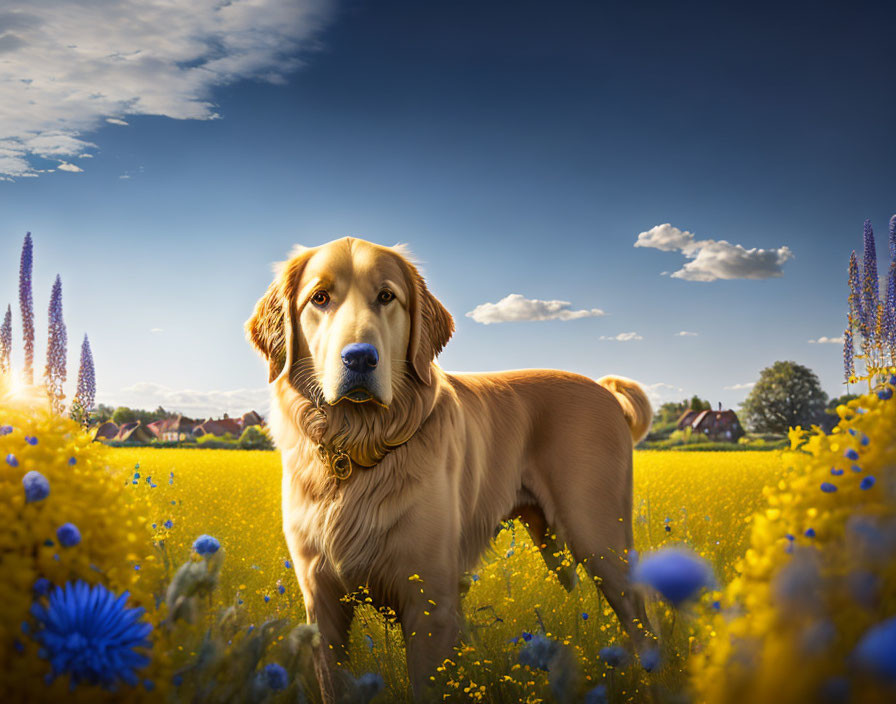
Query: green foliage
(255, 438)
(786, 395)
(123, 414)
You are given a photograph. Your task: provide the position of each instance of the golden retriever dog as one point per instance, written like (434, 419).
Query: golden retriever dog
(396, 473)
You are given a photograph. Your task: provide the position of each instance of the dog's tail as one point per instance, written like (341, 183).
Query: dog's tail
(634, 402)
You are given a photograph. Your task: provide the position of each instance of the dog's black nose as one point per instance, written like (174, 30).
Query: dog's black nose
(360, 357)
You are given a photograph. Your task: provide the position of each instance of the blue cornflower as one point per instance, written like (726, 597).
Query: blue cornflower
(206, 545)
(597, 695)
(810, 533)
(613, 655)
(68, 535)
(287, 564)
(584, 616)
(168, 524)
(136, 475)
(475, 577)
(89, 634)
(538, 652)
(855, 468)
(828, 488)
(42, 586)
(650, 659)
(276, 676)
(676, 573)
(836, 472)
(885, 394)
(867, 483)
(11, 460)
(876, 650)
(5, 430)
(31, 440)
(266, 598)
(851, 454)
(281, 589)
(72, 461)
(369, 685)
(37, 487)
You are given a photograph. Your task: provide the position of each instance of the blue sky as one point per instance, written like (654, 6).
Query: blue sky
(518, 148)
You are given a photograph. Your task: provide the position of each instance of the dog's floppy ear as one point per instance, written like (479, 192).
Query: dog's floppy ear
(270, 327)
(431, 325)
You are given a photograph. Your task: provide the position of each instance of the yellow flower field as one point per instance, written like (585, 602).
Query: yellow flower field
(800, 543)
(704, 499)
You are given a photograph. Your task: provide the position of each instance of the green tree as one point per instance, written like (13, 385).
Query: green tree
(786, 395)
(698, 404)
(123, 414)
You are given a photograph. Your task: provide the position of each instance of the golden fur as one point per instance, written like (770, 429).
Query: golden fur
(452, 454)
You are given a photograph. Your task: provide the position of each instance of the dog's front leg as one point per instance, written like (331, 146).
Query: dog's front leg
(430, 634)
(322, 594)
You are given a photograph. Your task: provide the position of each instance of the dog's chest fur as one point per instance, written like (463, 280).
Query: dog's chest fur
(347, 524)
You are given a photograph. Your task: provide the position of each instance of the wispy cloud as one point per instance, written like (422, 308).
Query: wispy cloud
(714, 259)
(623, 337)
(661, 391)
(515, 308)
(685, 333)
(65, 166)
(68, 68)
(156, 330)
(740, 387)
(148, 395)
(827, 341)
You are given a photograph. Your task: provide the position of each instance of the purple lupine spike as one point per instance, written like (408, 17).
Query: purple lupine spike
(856, 311)
(57, 344)
(889, 314)
(86, 392)
(848, 351)
(891, 293)
(6, 342)
(870, 284)
(26, 303)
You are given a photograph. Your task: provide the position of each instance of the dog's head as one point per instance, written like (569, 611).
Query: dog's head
(349, 322)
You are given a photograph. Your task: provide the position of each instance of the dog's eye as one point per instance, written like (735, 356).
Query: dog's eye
(385, 296)
(320, 298)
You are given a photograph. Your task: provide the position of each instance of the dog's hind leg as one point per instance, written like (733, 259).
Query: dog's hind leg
(551, 549)
(603, 544)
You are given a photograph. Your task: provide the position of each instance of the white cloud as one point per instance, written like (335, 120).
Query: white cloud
(740, 387)
(68, 68)
(65, 166)
(515, 308)
(623, 337)
(661, 391)
(156, 330)
(827, 340)
(117, 121)
(714, 259)
(191, 402)
(685, 333)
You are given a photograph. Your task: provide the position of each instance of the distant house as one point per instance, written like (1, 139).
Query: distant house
(715, 425)
(218, 427)
(156, 427)
(249, 419)
(134, 432)
(175, 429)
(106, 431)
